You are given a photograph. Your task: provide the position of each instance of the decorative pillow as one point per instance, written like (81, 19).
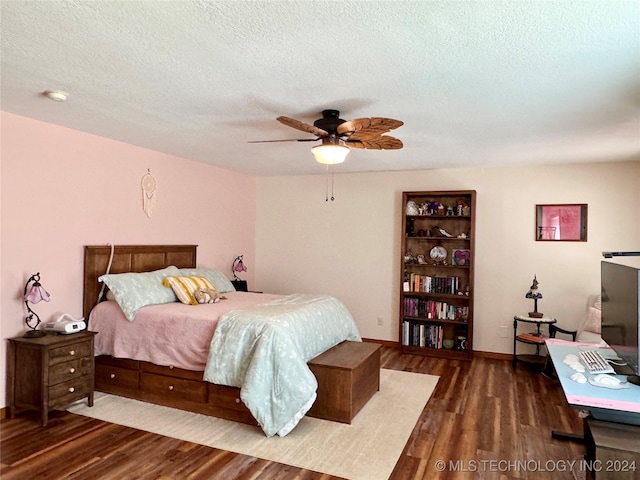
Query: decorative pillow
(185, 287)
(133, 291)
(216, 277)
(594, 321)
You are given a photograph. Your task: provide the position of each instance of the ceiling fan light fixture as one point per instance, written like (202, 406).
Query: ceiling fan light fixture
(331, 152)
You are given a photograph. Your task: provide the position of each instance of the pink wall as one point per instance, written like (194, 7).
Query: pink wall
(62, 189)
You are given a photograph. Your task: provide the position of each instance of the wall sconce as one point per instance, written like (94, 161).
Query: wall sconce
(535, 294)
(36, 294)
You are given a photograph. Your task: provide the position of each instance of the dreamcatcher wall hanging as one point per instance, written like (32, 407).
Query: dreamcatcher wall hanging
(149, 197)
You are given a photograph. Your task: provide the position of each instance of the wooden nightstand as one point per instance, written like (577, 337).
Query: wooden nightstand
(50, 372)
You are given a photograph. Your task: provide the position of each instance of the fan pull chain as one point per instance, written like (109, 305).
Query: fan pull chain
(326, 195)
(326, 186)
(332, 197)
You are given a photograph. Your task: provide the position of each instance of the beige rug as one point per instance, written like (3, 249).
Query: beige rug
(368, 449)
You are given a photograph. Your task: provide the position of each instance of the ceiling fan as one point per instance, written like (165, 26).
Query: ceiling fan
(339, 135)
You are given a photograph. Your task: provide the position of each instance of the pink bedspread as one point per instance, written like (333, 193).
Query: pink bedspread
(169, 334)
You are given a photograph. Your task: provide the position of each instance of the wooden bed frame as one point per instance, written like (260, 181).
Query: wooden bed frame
(172, 387)
(348, 374)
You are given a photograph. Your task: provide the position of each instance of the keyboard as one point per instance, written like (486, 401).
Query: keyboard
(595, 363)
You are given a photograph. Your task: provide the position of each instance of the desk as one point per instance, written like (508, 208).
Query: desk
(621, 406)
(612, 432)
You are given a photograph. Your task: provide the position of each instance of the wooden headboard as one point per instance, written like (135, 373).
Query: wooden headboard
(129, 258)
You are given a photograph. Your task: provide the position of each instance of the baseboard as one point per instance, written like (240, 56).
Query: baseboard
(386, 343)
(477, 353)
(494, 355)
(3, 413)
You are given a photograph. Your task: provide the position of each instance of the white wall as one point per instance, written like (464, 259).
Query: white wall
(350, 248)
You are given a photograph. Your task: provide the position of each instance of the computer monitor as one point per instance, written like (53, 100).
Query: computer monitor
(620, 282)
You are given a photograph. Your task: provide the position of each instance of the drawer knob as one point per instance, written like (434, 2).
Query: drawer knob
(237, 400)
(72, 370)
(170, 387)
(72, 352)
(72, 389)
(113, 375)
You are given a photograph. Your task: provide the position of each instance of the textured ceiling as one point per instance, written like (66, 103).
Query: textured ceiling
(476, 83)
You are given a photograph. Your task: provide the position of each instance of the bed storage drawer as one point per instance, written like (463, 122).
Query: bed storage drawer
(224, 402)
(117, 380)
(118, 362)
(171, 371)
(173, 387)
(226, 397)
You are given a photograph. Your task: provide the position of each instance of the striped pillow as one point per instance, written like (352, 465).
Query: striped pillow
(184, 287)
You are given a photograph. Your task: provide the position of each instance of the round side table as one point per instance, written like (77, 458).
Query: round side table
(531, 338)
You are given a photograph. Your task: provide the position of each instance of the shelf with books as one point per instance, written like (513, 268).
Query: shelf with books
(435, 309)
(442, 339)
(436, 287)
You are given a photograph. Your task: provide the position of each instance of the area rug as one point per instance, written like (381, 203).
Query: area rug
(367, 449)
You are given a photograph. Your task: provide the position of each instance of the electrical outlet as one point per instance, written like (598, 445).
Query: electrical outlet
(504, 331)
(380, 321)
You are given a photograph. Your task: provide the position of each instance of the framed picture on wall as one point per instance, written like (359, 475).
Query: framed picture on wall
(561, 223)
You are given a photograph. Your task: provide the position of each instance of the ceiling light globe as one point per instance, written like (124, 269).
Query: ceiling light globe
(56, 95)
(330, 154)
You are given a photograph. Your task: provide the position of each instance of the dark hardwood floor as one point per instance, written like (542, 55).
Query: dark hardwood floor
(484, 420)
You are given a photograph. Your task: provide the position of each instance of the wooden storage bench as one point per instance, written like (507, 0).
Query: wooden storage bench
(348, 375)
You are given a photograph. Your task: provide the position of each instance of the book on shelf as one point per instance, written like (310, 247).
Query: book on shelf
(433, 309)
(416, 334)
(431, 284)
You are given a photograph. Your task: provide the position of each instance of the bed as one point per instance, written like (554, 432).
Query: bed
(216, 371)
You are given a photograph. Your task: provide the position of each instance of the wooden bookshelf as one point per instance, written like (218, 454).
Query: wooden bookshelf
(436, 284)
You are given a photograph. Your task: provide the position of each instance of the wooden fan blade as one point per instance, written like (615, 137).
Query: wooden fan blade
(305, 127)
(287, 140)
(376, 143)
(361, 126)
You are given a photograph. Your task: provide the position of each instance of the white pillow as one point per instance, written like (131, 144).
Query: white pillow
(597, 303)
(594, 321)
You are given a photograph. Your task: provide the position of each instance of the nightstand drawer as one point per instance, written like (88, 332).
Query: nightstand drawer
(69, 352)
(69, 370)
(65, 393)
